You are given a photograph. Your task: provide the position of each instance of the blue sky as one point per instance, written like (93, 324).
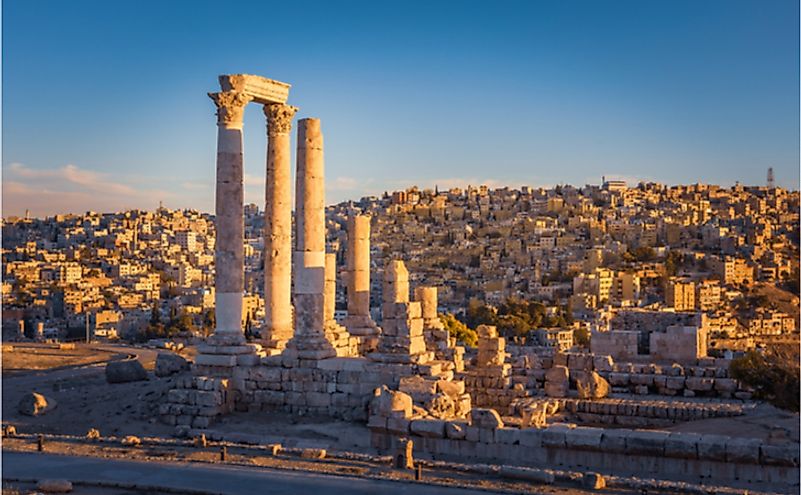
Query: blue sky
(105, 106)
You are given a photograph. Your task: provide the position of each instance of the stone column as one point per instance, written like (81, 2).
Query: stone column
(428, 301)
(330, 288)
(315, 338)
(396, 282)
(359, 322)
(21, 329)
(310, 229)
(359, 265)
(278, 227)
(230, 227)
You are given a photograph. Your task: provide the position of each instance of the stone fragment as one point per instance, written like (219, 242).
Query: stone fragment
(93, 434)
(313, 453)
(544, 476)
(557, 381)
(168, 363)
(591, 385)
(132, 441)
(385, 402)
(33, 404)
(485, 418)
(128, 370)
(441, 406)
(54, 486)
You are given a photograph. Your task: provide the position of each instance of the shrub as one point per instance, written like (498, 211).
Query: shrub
(774, 376)
(459, 330)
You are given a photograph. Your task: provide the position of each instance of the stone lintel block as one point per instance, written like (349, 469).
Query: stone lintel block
(531, 437)
(712, 447)
(584, 438)
(646, 442)
(431, 428)
(779, 455)
(508, 436)
(743, 450)
(614, 441)
(398, 426)
(227, 360)
(261, 89)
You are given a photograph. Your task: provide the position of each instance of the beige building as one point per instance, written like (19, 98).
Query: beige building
(680, 295)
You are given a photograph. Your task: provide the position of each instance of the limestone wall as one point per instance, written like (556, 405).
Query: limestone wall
(680, 344)
(620, 344)
(703, 459)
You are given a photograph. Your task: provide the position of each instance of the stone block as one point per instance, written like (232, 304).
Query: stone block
(553, 436)
(712, 447)
(399, 426)
(779, 455)
(508, 436)
(646, 442)
(682, 445)
(743, 450)
(225, 360)
(584, 438)
(531, 437)
(456, 430)
(725, 384)
(699, 384)
(432, 428)
(619, 379)
(485, 418)
(614, 441)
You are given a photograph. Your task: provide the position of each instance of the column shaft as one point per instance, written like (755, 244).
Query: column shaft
(229, 221)
(278, 227)
(359, 265)
(310, 230)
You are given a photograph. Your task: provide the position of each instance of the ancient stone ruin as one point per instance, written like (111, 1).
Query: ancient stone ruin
(404, 375)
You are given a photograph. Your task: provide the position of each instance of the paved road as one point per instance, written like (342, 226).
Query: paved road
(231, 480)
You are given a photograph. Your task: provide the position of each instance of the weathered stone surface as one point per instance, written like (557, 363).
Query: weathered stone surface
(591, 385)
(485, 418)
(743, 450)
(54, 486)
(557, 381)
(168, 363)
(128, 370)
(682, 445)
(529, 474)
(385, 402)
(441, 406)
(33, 404)
(433, 428)
(646, 442)
(455, 431)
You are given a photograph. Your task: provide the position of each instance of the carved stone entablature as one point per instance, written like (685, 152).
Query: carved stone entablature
(279, 118)
(230, 107)
(262, 89)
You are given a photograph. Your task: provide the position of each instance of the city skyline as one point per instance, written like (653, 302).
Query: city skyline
(707, 94)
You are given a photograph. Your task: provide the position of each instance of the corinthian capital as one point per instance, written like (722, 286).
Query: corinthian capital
(279, 118)
(230, 107)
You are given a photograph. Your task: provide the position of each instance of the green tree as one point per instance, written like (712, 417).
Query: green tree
(581, 337)
(774, 375)
(513, 325)
(459, 330)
